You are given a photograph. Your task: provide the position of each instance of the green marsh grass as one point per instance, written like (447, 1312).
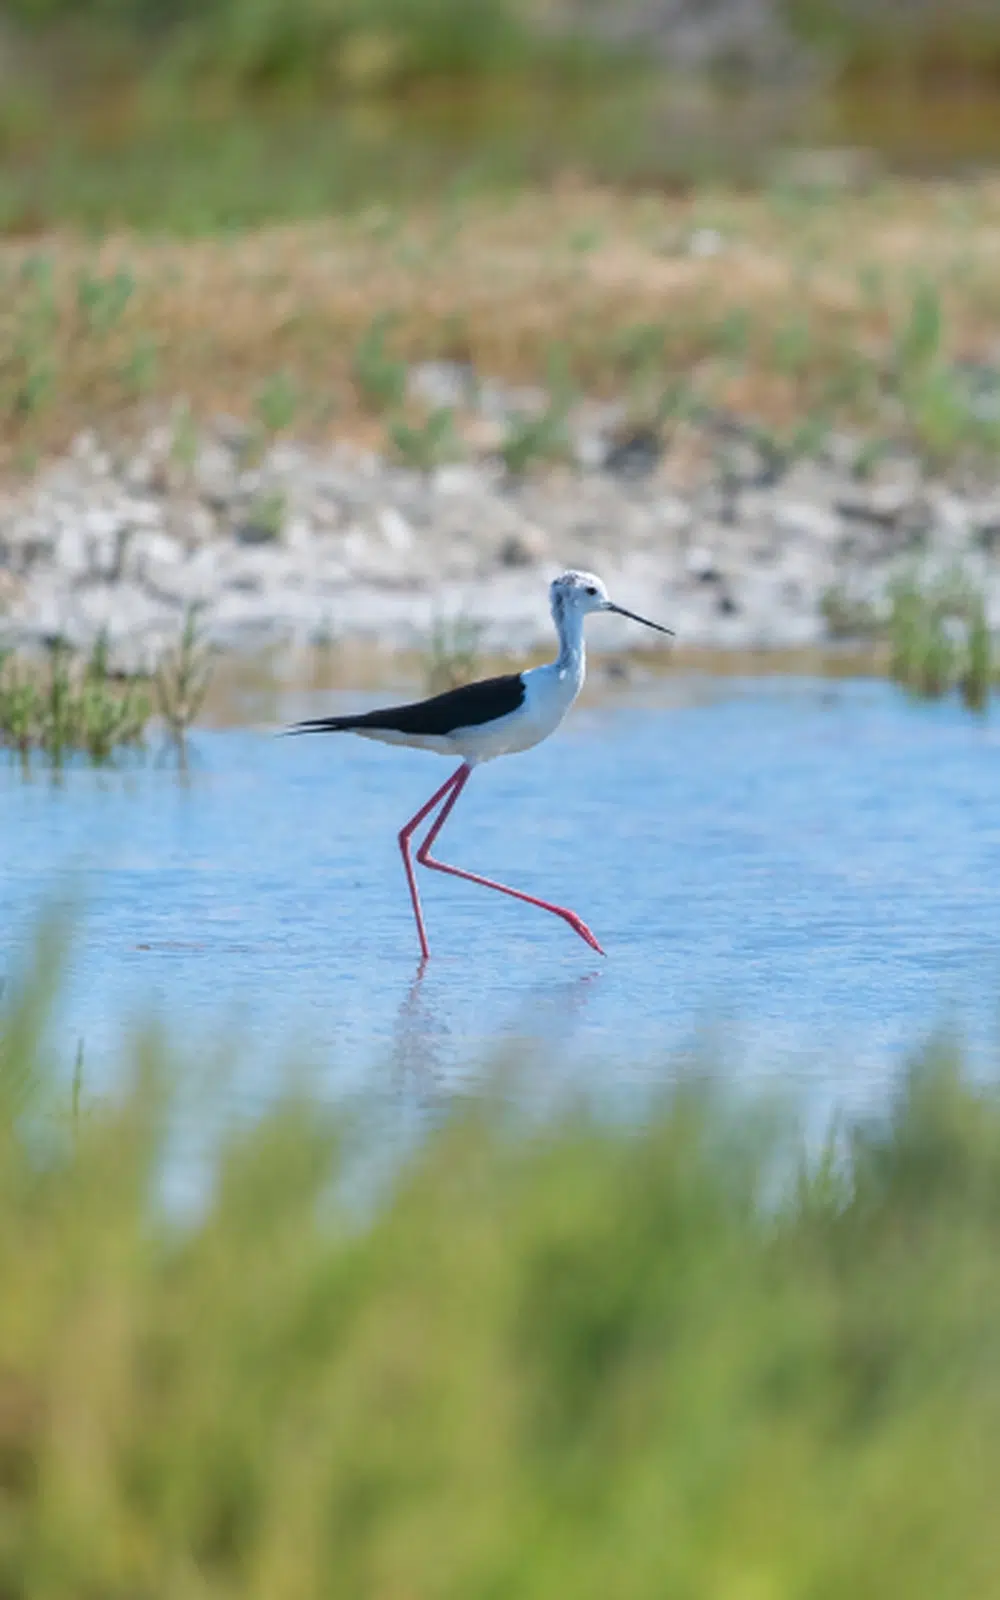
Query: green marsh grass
(427, 444)
(183, 678)
(71, 705)
(686, 1354)
(940, 639)
(379, 377)
(266, 517)
(530, 440)
(185, 440)
(531, 437)
(226, 114)
(315, 327)
(276, 404)
(453, 654)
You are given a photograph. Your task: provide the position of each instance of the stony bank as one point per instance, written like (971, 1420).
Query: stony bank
(297, 545)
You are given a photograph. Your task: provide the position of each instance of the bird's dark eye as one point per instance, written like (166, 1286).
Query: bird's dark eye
(591, 589)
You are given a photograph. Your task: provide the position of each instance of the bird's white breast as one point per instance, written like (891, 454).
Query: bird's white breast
(548, 694)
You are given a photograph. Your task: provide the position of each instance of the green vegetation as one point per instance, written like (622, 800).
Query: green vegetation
(948, 405)
(415, 123)
(230, 53)
(849, 617)
(543, 436)
(532, 439)
(183, 677)
(935, 639)
(940, 639)
(428, 444)
(208, 115)
(873, 311)
(70, 704)
(689, 1357)
(300, 48)
(276, 403)
(453, 654)
(904, 41)
(379, 377)
(266, 516)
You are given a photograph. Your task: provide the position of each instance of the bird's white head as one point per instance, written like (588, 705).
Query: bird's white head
(574, 594)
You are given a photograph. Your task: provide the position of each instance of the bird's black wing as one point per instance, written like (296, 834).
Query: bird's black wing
(466, 707)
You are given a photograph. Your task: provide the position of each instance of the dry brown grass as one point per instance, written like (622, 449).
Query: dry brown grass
(804, 299)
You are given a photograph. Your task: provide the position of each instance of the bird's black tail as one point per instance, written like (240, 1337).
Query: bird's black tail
(326, 725)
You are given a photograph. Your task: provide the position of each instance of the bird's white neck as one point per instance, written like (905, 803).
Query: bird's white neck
(572, 658)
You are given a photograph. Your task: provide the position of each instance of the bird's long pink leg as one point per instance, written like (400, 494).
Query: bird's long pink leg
(457, 784)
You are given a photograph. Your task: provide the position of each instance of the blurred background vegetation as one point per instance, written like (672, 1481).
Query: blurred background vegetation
(275, 107)
(697, 1356)
(729, 197)
(330, 46)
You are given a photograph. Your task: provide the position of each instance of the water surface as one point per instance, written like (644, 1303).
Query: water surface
(804, 873)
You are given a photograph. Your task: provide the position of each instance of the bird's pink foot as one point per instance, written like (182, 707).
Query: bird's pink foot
(579, 926)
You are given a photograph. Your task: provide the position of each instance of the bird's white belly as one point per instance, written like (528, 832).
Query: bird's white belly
(518, 731)
(441, 743)
(549, 693)
(548, 697)
(501, 738)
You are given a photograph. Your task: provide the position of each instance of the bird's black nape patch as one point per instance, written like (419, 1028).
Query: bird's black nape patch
(469, 706)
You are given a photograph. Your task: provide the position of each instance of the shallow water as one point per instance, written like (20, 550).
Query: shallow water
(804, 874)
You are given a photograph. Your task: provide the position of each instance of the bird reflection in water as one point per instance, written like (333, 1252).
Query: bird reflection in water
(423, 1056)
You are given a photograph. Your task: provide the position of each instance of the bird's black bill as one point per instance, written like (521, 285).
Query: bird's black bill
(634, 617)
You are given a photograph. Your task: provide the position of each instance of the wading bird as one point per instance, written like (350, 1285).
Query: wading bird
(479, 721)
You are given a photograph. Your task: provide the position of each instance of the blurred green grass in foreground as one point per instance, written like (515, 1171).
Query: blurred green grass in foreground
(576, 1359)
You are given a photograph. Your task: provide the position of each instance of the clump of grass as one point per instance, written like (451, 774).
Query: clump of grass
(452, 654)
(29, 341)
(868, 458)
(639, 349)
(940, 639)
(979, 668)
(944, 411)
(531, 439)
(654, 396)
(428, 444)
(378, 376)
(103, 299)
(948, 417)
(277, 403)
(848, 616)
(70, 706)
(183, 677)
(545, 435)
(185, 439)
(76, 705)
(265, 518)
(918, 344)
(495, 1377)
(140, 367)
(793, 346)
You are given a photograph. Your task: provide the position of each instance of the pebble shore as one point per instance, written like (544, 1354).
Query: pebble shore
(307, 545)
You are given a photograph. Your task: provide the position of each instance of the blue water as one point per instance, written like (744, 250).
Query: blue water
(802, 877)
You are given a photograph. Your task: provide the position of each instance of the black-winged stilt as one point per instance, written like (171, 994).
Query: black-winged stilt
(494, 717)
